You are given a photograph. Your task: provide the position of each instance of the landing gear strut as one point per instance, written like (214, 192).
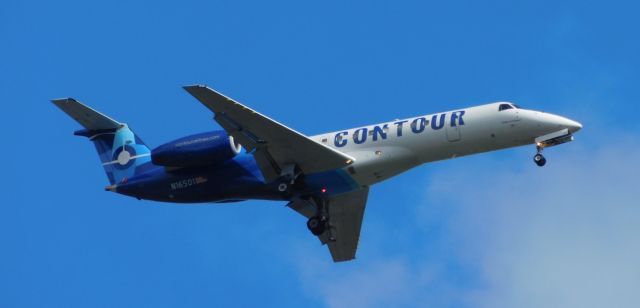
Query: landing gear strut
(539, 159)
(288, 177)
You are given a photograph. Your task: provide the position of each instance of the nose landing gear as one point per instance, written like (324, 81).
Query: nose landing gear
(539, 159)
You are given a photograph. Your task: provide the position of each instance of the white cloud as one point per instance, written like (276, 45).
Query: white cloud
(382, 283)
(561, 236)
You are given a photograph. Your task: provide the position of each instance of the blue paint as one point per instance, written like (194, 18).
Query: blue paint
(110, 144)
(399, 125)
(360, 135)
(339, 140)
(234, 178)
(334, 181)
(418, 125)
(380, 131)
(456, 116)
(437, 125)
(194, 150)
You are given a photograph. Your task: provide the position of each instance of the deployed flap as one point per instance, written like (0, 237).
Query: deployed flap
(345, 221)
(273, 144)
(87, 117)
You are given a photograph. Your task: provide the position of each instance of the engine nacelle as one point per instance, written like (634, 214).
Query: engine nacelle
(196, 150)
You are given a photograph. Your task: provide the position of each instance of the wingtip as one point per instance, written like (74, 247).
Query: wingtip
(194, 86)
(58, 101)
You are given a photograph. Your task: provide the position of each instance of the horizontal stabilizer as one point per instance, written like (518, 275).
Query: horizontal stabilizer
(87, 117)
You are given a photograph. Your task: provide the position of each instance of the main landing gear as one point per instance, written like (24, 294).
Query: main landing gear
(539, 159)
(319, 223)
(289, 183)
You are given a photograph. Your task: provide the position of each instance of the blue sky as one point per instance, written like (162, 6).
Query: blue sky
(491, 230)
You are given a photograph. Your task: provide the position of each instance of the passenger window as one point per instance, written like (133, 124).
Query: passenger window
(504, 107)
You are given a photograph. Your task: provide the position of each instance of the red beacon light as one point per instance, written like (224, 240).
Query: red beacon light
(323, 190)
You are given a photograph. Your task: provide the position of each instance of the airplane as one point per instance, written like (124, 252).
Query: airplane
(326, 178)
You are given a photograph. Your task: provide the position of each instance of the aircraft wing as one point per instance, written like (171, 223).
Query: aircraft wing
(346, 212)
(273, 145)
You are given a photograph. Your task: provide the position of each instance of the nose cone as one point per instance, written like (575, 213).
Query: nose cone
(572, 125)
(554, 122)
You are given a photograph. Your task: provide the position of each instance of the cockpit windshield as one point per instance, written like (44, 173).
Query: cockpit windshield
(504, 107)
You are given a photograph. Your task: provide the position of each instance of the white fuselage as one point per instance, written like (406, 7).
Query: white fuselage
(383, 150)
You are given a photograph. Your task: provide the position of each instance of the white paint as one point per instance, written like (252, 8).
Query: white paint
(485, 129)
(131, 157)
(124, 157)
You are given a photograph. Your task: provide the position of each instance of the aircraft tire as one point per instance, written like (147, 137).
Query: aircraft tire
(539, 160)
(316, 225)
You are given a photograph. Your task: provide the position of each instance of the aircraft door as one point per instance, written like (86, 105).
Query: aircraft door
(453, 133)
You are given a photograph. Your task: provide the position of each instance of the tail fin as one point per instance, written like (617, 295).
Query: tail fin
(123, 154)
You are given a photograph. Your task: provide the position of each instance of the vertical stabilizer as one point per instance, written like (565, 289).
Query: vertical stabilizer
(122, 153)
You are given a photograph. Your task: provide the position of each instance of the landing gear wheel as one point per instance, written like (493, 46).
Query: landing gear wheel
(316, 225)
(283, 187)
(539, 160)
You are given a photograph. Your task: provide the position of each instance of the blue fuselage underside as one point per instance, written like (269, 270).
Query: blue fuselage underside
(236, 179)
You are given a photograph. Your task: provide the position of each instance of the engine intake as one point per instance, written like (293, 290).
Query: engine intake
(197, 150)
